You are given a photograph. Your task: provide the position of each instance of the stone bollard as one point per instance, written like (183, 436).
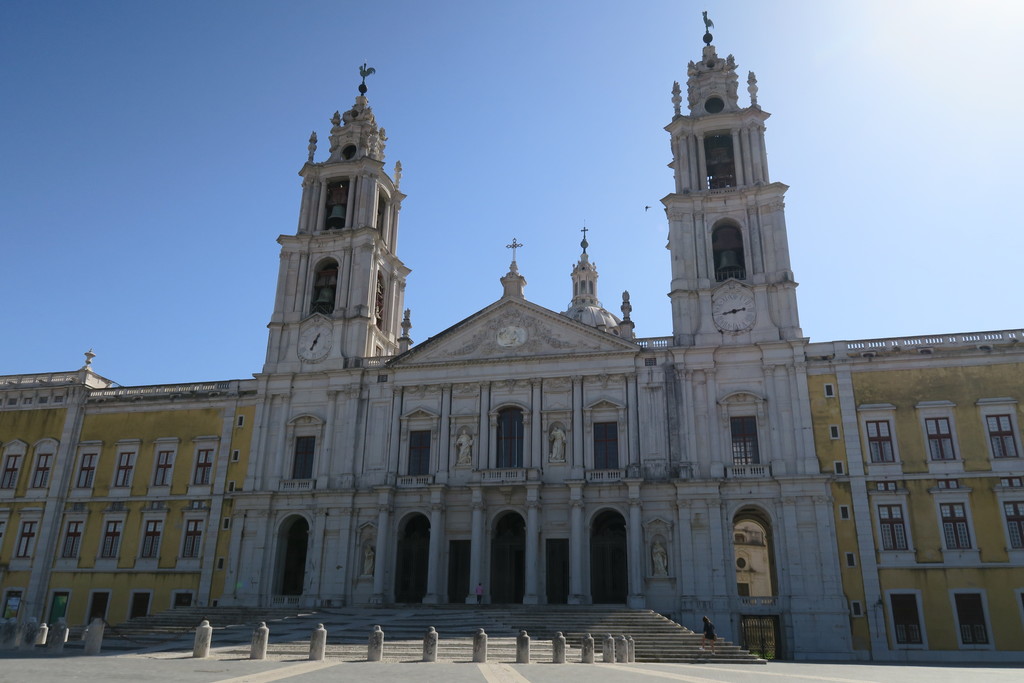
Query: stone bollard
(94, 637)
(523, 648)
(480, 647)
(558, 649)
(631, 652)
(430, 645)
(201, 645)
(41, 636)
(608, 649)
(59, 636)
(8, 634)
(318, 644)
(375, 645)
(260, 637)
(587, 649)
(27, 636)
(621, 650)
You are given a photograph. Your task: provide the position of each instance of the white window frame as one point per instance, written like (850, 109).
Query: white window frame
(990, 645)
(110, 562)
(899, 497)
(162, 445)
(1009, 494)
(891, 621)
(418, 420)
(131, 447)
(86, 448)
(203, 443)
(879, 412)
(14, 448)
(70, 562)
(957, 556)
(184, 561)
(42, 447)
(1001, 406)
(141, 561)
(933, 410)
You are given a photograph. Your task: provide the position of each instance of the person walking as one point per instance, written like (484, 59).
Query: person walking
(479, 593)
(709, 635)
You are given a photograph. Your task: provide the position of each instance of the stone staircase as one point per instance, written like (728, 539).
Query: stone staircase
(657, 639)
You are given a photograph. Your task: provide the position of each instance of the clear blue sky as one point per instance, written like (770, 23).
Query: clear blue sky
(149, 156)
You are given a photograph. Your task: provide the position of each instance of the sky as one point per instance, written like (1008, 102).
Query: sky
(149, 155)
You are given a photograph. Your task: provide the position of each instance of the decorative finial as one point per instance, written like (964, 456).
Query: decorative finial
(626, 307)
(752, 88)
(336, 120)
(584, 243)
(515, 245)
(677, 98)
(398, 174)
(312, 146)
(89, 355)
(708, 25)
(365, 71)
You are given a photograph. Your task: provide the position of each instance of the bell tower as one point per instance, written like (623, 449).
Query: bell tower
(731, 276)
(341, 285)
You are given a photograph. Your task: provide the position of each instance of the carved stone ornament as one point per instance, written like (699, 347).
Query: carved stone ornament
(511, 335)
(515, 330)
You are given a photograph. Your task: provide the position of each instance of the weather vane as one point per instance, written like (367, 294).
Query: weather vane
(708, 25)
(365, 71)
(515, 245)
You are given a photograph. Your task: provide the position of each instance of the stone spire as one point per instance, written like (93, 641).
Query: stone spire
(585, 306)
(513, 283)
(355, 133)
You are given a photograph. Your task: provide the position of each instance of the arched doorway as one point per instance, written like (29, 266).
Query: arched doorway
(294, 541)
(609, 579)
(412, 561)
(508, 559)
(754, 558)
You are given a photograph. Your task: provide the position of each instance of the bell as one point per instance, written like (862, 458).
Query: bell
(337, 217)
(326, 296)
(728, 260)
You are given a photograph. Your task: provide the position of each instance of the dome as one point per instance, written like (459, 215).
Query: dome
(595, 316)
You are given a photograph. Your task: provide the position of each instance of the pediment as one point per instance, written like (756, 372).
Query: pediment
(420, 414)
(512, 329)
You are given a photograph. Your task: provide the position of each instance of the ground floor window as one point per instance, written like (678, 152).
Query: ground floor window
(970, 616)
(905, 619)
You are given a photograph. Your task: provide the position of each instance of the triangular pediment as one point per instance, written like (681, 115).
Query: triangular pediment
(511, 329)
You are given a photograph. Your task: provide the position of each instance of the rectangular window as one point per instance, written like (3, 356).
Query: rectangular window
(744, 441)
(890, 524)
(606, 445)
(41, 476)
(844, 512)
(510, 438)
(1015, 523)
(1000, 435)
(830, 390)
(26, 540)
(123, 474)
(940, 438)
(164, 463)
(111, 539)
(193, 535)
(151, 538)
(10, 475)
(72, 540)
(905, 618)
(86, 471)
(204, 465)
(851, 560)
(970, 616)
(954, 526)
(833, 431)
(879, 441)
(302, 466)
(419, 452)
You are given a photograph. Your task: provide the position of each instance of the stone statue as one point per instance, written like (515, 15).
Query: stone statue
(464, 448)
(752, 88)
(311, 147)
(557, 439)
(660, 559)
(368, 560)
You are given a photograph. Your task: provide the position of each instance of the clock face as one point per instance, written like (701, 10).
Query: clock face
(315, 342)
(733, 310)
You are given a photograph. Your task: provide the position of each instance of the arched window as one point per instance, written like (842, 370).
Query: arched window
(379, 301)
(325, 286)
(510, 438)
(721, 161)
(727, 249)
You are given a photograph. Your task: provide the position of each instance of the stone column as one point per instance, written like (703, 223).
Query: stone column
(577, 464)
(483, 446)
(321, 205)
(476, 547)
(576, 536)
(436, 549)
(737, 157)
(635, 552)
(530, 597)
(323, 466)
(702, 165)
(394, 452)
(444, 442)
(537, 450)
(633, 416)
(383, 541)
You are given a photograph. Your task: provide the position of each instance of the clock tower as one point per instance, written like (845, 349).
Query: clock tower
(731, 276)
(341, 285)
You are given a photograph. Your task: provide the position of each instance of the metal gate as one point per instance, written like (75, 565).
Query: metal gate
(760, 636)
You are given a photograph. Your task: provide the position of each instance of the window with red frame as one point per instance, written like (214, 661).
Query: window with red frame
(954, 526)
(940, 438)
(204, 465)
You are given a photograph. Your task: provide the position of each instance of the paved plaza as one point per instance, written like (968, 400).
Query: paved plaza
(227, 665)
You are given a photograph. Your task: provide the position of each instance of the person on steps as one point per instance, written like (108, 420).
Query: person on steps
(709, 635)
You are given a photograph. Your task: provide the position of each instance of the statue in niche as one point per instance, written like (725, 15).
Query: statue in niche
(557, 439)
(659, 558)
(368, 560)
(464, 448)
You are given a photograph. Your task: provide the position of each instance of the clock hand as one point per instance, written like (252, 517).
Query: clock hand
(315, 340)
